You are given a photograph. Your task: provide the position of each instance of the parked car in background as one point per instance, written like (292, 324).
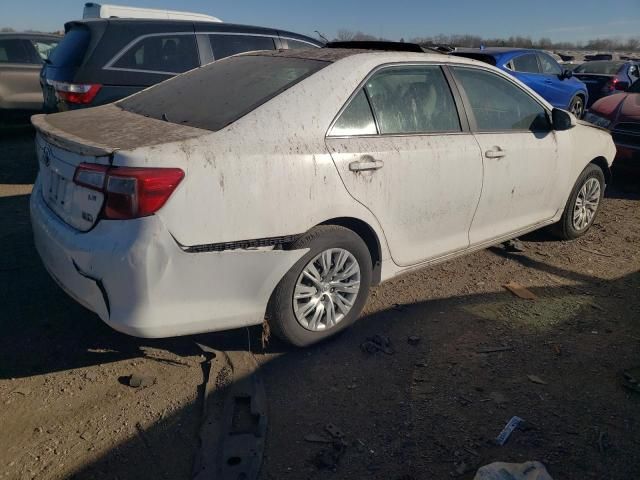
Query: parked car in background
(539, 71)
(100, 61)
(606, 77)
(620, 113)
(288, 182)
(21, 58)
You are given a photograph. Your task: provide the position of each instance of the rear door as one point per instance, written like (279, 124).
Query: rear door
(520, 153)
(526, 68)
(404, 151)
(19, 75)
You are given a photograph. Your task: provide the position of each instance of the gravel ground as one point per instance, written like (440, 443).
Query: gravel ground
(430, 410)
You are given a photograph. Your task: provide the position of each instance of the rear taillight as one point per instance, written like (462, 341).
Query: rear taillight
(129, 192)
(614, 84)
(77, 93)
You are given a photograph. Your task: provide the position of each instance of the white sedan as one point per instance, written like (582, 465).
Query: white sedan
(284, 184)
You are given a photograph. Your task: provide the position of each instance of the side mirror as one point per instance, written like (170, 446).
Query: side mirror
(622, 86)
(562, 120)
(566, 74)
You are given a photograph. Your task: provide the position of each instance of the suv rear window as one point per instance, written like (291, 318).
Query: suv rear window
(70, 51)
(170, 53)
(218, 94)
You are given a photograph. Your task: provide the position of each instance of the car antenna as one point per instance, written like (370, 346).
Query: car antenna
(322, 36)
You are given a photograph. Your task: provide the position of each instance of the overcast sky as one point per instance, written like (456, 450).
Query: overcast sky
(573, 20)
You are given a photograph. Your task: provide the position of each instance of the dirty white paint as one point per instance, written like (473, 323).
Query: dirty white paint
(274, 173)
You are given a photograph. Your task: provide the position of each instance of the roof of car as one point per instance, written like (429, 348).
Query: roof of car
(200, 25)
(335, 54)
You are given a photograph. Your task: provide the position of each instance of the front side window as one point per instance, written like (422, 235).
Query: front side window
(499, 105)
(14, 51)
(162, 54)
(527, 63)
(225, 45)
(549, 65)
(357, 118)
(412, 99)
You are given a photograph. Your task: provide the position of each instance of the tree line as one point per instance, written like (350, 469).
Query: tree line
(466, 40)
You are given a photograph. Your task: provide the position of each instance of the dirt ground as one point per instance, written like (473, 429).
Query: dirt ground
(428, 411)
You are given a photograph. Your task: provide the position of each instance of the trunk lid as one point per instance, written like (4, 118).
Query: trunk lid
(65, 140)
(595, 83)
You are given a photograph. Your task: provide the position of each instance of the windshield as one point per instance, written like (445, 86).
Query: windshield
(218, 94)
(602, 68)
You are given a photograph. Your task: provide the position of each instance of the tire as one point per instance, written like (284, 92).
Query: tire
(577, 106)
(568, 228)
(286, 315)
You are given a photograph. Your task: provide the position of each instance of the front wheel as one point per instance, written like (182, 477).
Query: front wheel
(325, 291)
(583, 204)
(577, 106)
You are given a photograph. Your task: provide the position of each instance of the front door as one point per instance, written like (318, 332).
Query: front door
(401, 152)
(520, 154)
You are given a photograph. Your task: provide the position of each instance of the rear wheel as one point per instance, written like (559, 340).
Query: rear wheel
(583, 205)
(577, 106)
(325, 291)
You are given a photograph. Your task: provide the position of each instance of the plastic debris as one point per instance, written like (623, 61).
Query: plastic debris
(508, 430)
(513, 471)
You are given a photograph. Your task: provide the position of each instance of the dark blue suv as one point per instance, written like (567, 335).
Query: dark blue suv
(539, 71)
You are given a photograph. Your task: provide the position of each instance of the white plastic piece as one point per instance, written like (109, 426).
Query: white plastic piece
(97, 10)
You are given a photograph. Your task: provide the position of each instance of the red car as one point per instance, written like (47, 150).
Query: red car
(620, 113)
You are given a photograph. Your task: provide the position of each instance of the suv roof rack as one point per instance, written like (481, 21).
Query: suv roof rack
(377, 45)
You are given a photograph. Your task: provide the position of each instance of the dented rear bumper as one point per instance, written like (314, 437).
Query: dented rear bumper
(137, 279)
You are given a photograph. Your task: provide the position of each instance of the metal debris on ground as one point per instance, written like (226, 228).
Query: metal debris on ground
(520, 291)
(377, 343)
(234, 421)
(413, 340)
(631, 379)
(513, 246)
(494, 349)
(137, 381)
(315, 438)
(513, 471)
(536, 379)
(508, 430)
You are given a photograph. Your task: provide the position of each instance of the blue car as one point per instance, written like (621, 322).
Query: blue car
(539, 71)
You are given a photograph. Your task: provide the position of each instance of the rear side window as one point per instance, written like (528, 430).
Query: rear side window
(221, 92)
(15, 51)
(412, 100)
(527, 63)
(168, 53)
(357, 118)
(44, 47)
(499, 105)
(225, 45)
(299, 44)
(71, 50)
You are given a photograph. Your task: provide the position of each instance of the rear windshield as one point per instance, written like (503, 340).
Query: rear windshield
(70, 52)
(603, 68)
(218, 94)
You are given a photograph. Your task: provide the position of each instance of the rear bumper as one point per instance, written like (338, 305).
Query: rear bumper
(138, 280)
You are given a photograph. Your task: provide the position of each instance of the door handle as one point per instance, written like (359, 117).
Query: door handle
(366, 162)
(496, 152)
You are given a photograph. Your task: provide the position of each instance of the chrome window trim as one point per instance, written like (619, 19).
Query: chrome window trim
(125, 49)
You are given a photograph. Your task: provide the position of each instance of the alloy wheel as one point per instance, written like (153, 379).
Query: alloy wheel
(586, 204)
(326, 290)
(577, 107)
